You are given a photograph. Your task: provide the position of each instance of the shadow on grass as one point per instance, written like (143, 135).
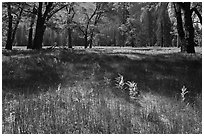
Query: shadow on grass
(88, 100)
(24, 52)
(164, 73)
(29, 75)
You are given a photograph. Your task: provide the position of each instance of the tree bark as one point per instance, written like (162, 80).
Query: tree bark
(40, 29)
(40, 26)
(187, 34)
(160, 33)
(114, 37)
(189, 29)
(16, 25)
(69, 20)
(86, 40)
(30, 36)
(91, 40)
(181, 34)
(92, 33)
(38, 39)
(87, 27)
(9, 33)
(12, 32)
(69, 38)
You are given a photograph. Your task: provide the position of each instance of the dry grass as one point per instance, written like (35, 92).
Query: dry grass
(80, 110)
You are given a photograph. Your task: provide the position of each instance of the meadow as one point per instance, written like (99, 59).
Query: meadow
(75, 91)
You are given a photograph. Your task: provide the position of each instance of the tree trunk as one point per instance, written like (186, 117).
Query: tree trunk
(132, 42)
(69, 38)
(187, 34)
(189, 29)
(86, 40)
(162, 35)
(30, 36)
(16, 25)
(162, 41)
(181, 34)
(69, 30)
(122, 41)
(91, 40)
(114, 37)
(40, 29)
(9, 33)
(177, 41)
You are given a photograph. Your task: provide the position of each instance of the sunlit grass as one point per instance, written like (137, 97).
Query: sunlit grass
(80, 96)
(81, 110)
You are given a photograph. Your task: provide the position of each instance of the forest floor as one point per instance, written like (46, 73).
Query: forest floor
(75, 91)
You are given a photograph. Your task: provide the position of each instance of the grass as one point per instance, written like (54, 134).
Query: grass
(73, 91)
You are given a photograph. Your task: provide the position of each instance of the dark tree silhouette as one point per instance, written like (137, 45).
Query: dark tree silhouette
(30, 36)
(186, 33)
(42, 18)
(188, 27)
(40, 26)
(86, 28)
(69, 21)
(9, 33)
(12, 31)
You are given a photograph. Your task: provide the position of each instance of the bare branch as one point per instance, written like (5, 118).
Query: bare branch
(197, 13)
(55, 11)
(94, 13)
(48, 9)
(81, 30)
(174, 4)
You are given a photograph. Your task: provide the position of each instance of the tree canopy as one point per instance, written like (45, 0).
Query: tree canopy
(89, 24)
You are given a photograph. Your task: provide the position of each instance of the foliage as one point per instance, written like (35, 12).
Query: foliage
(163, 26)
(127, 86)
(183, 93)
(147, 21)
(109, 23)
(13, 18)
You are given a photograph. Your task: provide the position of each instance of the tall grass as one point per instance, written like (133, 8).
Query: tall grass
(82, 110)
(81, 97)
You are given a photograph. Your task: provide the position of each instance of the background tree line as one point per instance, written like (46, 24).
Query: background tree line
(102, 24)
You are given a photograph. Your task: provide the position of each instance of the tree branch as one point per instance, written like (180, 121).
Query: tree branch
(73, 14)
(55, 11)
(93, 14)
(47, 10)
(197, 13)
(40, 9)
(81, 30)
(33, 11)
(174, 4)
(17, 22)
(78, 26)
